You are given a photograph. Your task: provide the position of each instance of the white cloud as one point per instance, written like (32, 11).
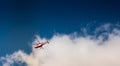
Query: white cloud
(66, 51)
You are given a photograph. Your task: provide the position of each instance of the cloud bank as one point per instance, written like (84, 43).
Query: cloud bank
(71, 50)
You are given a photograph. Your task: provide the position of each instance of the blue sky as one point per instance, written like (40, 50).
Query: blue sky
(21, 20)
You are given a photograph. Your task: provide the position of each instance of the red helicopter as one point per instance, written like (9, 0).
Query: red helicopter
(40, 44)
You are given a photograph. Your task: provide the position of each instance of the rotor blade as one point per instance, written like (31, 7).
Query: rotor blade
(34, 44)
(37, 39)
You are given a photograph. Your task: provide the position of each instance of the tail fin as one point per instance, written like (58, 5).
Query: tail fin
(47, 42)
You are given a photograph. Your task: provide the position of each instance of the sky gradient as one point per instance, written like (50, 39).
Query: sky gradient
(21, 20)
